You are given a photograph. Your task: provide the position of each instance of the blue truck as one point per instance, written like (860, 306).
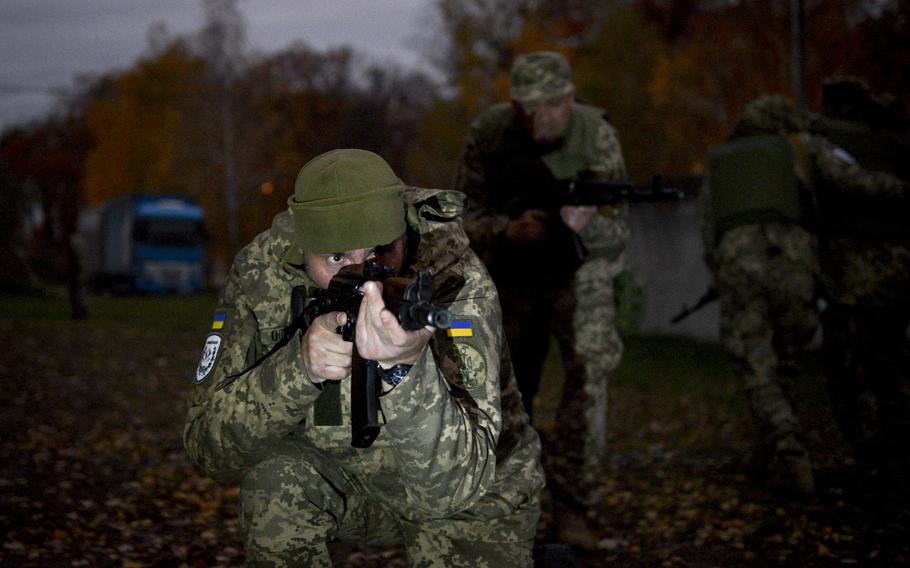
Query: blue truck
(151, 244)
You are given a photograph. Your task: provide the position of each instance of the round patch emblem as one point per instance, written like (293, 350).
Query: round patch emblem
(209, 356)
(465, 366)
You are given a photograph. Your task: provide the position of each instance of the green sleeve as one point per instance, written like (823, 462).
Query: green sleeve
(483, 224)
(244, 404)
(445, 418)
(608, 233)
(838, 171)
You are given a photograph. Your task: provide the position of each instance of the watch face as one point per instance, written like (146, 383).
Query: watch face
(394, 375)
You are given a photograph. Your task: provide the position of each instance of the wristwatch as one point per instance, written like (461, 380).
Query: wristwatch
(394, 375)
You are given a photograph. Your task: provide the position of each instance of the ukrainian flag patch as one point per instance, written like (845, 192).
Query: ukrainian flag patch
(219, 320)
(460, 328)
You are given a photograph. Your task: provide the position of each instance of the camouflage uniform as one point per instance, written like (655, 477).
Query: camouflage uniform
(543, 288)
(765, 266)
(864, 206)
(454, 474)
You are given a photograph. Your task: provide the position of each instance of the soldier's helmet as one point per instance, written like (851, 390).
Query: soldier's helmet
(539, 76)
(845, 97)
(771, 114)
(849, 98)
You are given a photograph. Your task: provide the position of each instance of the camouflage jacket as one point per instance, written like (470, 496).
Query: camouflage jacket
(864, 236)
(447, 428)
(500, 163)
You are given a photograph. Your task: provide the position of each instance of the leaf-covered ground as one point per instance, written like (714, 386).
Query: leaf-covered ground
(92, 471)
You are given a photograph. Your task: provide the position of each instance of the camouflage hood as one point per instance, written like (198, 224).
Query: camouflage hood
(436, 215)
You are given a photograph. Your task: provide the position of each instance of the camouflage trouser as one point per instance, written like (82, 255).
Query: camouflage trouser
(580, 315)
(867, 361)
(298, 500)
(766, 279)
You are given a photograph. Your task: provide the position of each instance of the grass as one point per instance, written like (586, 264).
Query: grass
(684, 365)
(664, 385)
(96, 405)
(178, 313)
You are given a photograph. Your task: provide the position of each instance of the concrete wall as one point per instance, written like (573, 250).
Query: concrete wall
(665, 251)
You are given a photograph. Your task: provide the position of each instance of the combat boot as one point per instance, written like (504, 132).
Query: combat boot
(790, 470)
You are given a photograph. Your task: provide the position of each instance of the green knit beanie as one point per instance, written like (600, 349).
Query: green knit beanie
(346, 200)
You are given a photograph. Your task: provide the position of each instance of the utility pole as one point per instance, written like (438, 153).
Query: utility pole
(798, 51)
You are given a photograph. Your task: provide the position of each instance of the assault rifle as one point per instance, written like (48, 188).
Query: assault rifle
(582, 191)
(709, 296)
(409, 299)
(563, 248)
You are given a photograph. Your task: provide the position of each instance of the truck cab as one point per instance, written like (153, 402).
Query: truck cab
(151, 244)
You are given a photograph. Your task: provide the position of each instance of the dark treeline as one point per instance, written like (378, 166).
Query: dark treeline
(205, 116)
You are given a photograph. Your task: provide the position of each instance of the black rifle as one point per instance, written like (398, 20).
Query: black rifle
(709, 296)
(409, 299)
(563, 247)
(583, 191)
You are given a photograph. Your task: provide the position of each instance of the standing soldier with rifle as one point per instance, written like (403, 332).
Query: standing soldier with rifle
(438, 455)
(553, 265)
(757, 216)
(861, 153)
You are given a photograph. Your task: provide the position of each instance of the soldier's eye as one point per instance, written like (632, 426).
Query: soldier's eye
(335, 258)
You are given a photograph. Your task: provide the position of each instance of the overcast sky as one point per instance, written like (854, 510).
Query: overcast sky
(44, 44)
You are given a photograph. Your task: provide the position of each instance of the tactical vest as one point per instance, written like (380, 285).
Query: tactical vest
(753, 180)
(579, 144)
(517, 168)
(516, 165)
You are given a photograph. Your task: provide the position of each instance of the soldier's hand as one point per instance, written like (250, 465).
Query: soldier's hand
(531, 227)
(577, 217)
(379, 335)
(326, 355)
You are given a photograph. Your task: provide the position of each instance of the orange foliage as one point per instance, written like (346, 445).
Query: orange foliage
(674, 75)
(137, 132)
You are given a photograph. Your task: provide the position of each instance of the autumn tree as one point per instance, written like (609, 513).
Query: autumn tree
(46, 159)
(294, 106)
(727, 54)
(386, 112)
(613, 50)
(301, 102)
(673, 75)
(138, 128)
(13, 267)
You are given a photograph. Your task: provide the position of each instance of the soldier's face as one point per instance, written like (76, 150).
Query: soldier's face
(322, 267)
(546, 120)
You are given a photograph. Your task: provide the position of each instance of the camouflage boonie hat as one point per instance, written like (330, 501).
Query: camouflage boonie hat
(772, 114)
(540, 75)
